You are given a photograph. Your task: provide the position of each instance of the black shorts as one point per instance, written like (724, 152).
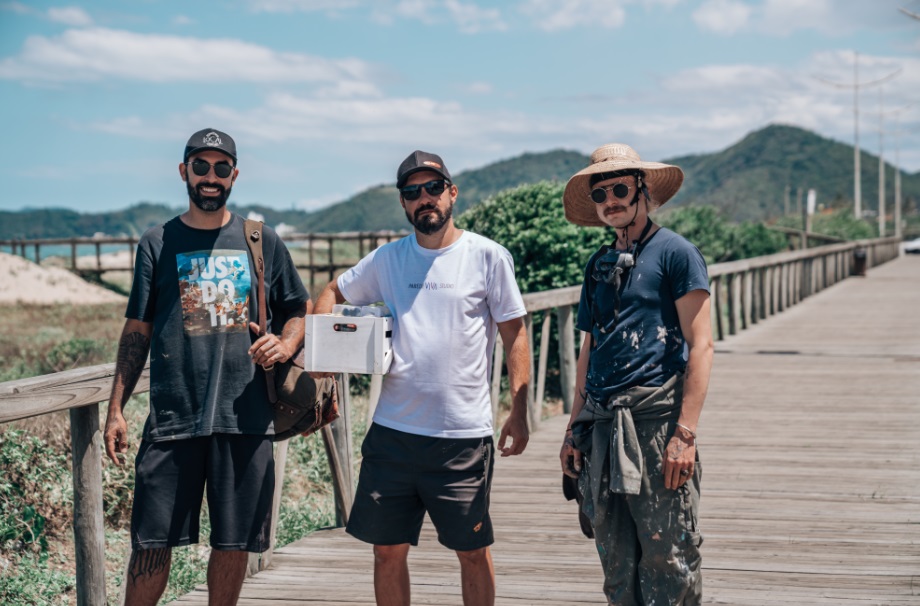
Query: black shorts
(170, 478)
(404, 475)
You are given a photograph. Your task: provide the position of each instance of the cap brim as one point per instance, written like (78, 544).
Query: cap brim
(419, 169)
(207, 148)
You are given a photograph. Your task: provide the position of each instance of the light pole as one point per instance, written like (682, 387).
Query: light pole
(857, 185)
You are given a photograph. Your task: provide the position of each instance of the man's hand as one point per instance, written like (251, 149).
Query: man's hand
(515, 427)
(268, 349)
(570, 457)
(679, 459)
(116, 437)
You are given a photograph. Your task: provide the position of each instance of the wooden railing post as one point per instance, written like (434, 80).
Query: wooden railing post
(533, 414)
(496, 387)
(567, 357)
(717, 308)
(341, 433)
(88, 527)
(544, 354)
(731, 283)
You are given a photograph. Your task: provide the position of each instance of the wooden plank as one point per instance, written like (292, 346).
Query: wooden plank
(809, 493)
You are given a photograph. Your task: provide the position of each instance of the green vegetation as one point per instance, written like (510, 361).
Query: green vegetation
(719, 240)
(839, 223)
(548, 251)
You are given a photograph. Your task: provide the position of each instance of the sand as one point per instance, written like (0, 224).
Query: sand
(22, 281)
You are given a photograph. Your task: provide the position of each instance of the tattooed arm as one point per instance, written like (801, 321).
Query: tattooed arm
(132, 356)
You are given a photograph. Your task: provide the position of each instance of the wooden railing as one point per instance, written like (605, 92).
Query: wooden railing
(743, 293)
(321, 263)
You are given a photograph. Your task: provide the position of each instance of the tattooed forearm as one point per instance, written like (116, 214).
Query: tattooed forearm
(148, 562)
(132, 355)
(294, 328)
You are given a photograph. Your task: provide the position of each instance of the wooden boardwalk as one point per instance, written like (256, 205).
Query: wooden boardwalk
(810, 442)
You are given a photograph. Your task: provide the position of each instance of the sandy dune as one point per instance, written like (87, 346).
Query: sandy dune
(22, 281)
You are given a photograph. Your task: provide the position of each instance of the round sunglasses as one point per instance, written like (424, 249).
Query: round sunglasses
(619, 191)
(201, 168)
(414, 192)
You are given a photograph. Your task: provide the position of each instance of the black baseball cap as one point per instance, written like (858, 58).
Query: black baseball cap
(417, 162)
(210, 138)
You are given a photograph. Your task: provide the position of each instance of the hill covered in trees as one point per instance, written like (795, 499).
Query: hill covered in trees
(746, 181)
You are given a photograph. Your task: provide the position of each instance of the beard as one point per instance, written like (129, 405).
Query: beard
(208, 203)
(430, 223)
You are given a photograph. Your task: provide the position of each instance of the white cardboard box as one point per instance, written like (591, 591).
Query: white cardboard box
(336, 343)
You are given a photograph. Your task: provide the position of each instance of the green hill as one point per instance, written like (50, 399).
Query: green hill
(747, 181)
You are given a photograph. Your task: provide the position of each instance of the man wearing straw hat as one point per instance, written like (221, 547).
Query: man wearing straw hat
(642, 377)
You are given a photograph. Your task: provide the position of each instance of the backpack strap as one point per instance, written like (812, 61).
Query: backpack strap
(253, 233)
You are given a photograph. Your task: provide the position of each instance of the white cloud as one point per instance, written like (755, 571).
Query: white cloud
(553, 15)
(472, 19)
(302, 6)
(722, 16)
(16, 7)
(478, 88)
(70, 15)
(183, 20)
(97, 53)
(783, 17)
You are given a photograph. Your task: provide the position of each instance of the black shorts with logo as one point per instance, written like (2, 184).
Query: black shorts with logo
(404, 475)
(170, 479)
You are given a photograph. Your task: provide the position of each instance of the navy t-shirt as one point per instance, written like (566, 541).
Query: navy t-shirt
(646, 346)
(199, 289)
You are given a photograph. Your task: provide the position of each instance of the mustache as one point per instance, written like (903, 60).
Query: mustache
(612, 209)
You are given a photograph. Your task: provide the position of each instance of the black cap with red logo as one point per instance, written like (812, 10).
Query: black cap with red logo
(417, 162)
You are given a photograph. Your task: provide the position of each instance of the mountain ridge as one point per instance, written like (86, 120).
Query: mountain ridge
(746, 181)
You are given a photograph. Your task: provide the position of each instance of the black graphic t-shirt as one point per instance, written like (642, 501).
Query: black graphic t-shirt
(198, 288)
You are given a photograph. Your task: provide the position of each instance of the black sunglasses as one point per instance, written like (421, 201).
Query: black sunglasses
(221, 169)
(619, 191)
(414, 192)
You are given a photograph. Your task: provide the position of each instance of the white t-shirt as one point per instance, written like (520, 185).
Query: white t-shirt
(445, 306)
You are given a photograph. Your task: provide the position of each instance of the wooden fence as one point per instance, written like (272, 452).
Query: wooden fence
(315, 253)
(743, 293)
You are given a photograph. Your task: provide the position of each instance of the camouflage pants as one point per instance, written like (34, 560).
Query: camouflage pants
(649, 543)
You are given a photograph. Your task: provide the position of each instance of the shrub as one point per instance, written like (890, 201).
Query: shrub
(549, 252)
(35, 491)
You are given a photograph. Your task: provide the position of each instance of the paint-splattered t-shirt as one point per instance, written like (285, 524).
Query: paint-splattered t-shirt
(646, 346)
(198, 288)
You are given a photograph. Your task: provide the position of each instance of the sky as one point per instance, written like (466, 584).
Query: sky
(326, 97)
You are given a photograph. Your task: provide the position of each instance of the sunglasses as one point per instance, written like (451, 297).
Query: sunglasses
(619, 191)
(221, 169)
(414, 192)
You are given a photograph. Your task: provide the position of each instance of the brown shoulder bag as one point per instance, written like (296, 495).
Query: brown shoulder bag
(301, 404)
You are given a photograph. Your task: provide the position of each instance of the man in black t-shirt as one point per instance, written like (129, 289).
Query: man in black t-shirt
(641, 380)
(192, 307)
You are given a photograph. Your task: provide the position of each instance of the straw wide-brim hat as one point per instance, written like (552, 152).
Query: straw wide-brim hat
(662, 180)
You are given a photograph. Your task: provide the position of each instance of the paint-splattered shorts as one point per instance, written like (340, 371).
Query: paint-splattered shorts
(649, 543)
(403, 475)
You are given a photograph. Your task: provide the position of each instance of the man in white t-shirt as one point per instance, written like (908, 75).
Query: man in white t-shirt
(430, 447)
